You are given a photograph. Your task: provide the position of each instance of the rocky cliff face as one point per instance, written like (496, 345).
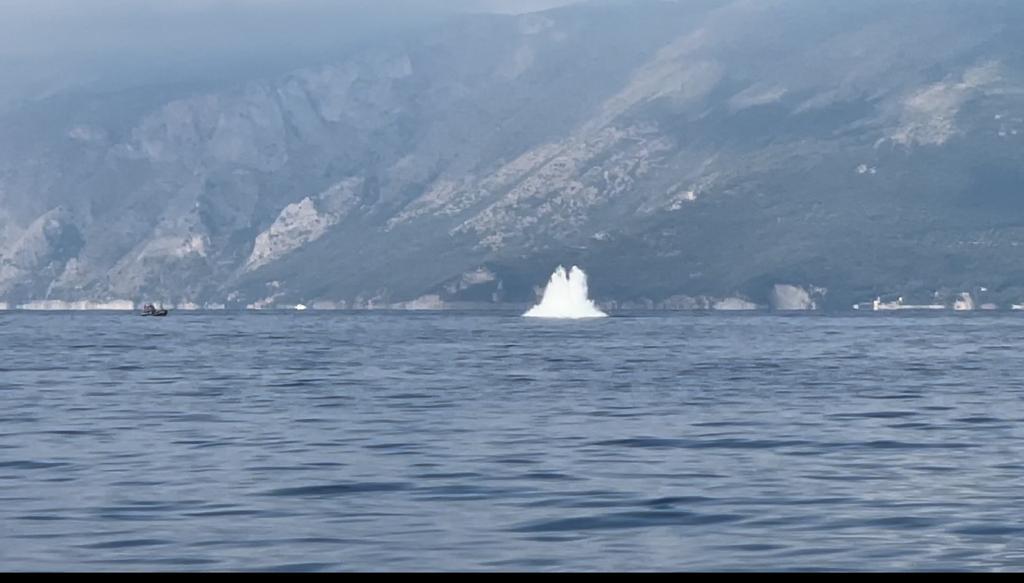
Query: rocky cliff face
(787, 153)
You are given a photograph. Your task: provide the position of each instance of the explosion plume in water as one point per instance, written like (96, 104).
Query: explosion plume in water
(566, 297)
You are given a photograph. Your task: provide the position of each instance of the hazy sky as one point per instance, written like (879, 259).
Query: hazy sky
(54, 27)
(52, 45)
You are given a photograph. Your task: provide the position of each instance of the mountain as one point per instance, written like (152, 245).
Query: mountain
(686, 154)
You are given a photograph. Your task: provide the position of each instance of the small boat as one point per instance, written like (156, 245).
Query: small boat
(151, 310)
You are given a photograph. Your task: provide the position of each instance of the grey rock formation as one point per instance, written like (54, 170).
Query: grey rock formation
(680, 152)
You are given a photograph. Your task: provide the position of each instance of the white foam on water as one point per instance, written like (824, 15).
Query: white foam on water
(566, 296)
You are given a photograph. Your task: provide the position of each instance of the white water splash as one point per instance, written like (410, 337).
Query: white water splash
(566, 297)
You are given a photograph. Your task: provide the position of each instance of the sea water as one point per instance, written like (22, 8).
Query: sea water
(396, 441)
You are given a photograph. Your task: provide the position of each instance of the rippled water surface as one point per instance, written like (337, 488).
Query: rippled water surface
(336, 441)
